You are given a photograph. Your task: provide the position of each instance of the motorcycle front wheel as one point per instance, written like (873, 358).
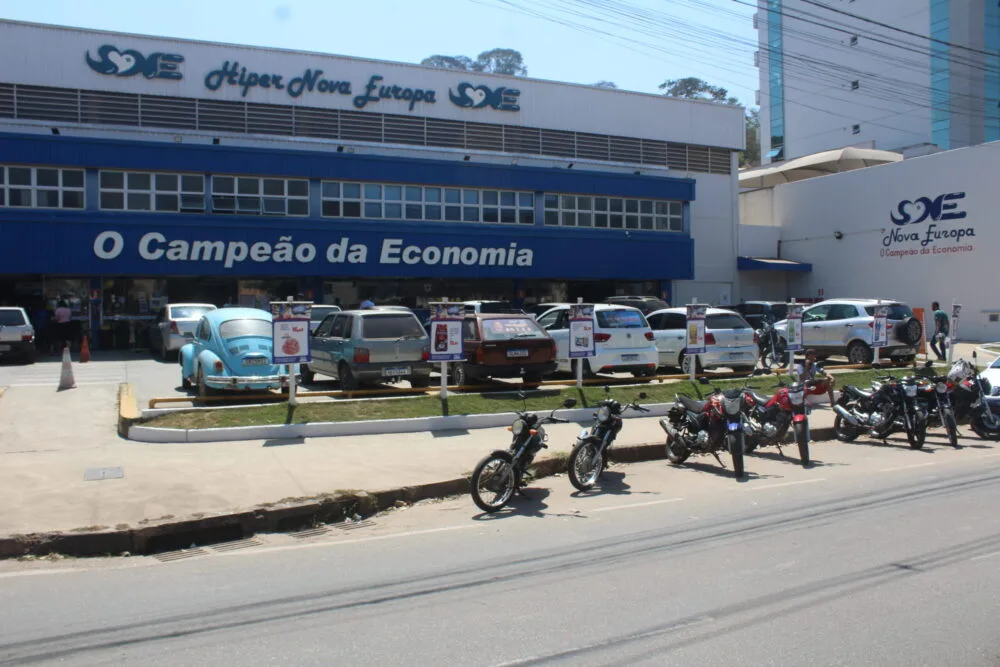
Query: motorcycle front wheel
(952, 427)
(735, 444)
(844, 430)
(917, 434)
(586, 463)
(677, 452)
(983, 430)
(802, 440)
(494, 481)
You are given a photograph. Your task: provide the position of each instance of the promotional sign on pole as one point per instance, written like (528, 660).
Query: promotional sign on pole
(290, 332)
(695, 329)
(956, 310)
(880, 331)
(446, 332)
(793, 330)
(581, 330)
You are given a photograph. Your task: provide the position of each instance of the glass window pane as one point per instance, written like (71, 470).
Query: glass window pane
(631, 205)
(139, 181)
(508, 199)
(223, 184)
(583, 203)
(413, 193)
(601, 220)
(248, 204)
(414, 211)
(3, 193)
(452, 196)
(617, 221)
(470, 196)
(352, 191)
(352, 209)
(616, 205)
(432, 194)
(645, 206)
(298, 188)
(394, 211)
(72, 199)
(274, 205)
(569, 202)
(112, 179)
(551, 218)
(432, 212)
(453, 213)
(49, 177)
(331, 190)
(223, 204)
(646, 222)
(491, 214)
(20, 176)
(372, 209)
(491, 197)
(298, 207)
(373, 191)
(167, 202)
(331, 209)
(508, 215)
(72, 178)
(583, 219)
(3, 173)
(526, 199)
(274, 187)
(676, 208)
(569, 219)
(551, 201)
(248, 186)
(600, 203)
(138, 201)
(192, 203)
(661, 207)
(631, 221)
(192, 183)
(47, 198)
(393, 193)
(676, 225)
(18, 197)
(112, 201)
(471, 213)
(662, 223)
(166, 182)
(526, 216)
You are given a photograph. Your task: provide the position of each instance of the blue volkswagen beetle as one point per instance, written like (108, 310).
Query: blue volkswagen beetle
(231, 350)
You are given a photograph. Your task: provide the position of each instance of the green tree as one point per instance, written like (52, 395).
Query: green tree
(448, 62)
(605, 84)
(750, 156)
(693, 88)
(494, 61)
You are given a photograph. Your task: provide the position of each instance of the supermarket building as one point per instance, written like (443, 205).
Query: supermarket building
(136, 170)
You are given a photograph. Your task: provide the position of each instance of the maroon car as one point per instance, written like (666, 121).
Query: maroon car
(504, 346)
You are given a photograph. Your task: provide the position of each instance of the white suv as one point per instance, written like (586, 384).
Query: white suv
(845, 327)
(622, 339)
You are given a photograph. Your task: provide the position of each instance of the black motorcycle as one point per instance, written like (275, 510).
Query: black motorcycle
(934, 396)
(498, 476)
(772, 348)
(590, 454)
(973, 400)
(890, 405)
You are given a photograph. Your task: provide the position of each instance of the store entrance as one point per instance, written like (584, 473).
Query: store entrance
(218, 291)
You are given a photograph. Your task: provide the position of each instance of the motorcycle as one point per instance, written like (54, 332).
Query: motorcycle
(589, 456)
(934, 396)
(890, 405)
(973, 399)
(772, 350)
(500, 474)
(707, 427)
(768, 418)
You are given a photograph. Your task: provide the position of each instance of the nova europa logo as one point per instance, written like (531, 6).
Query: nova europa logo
(937, 209)
(113, 62)
(477, 97)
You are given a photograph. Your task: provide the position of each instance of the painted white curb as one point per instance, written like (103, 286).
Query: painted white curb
(151, 434)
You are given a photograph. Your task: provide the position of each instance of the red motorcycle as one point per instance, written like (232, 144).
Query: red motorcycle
(768, 419)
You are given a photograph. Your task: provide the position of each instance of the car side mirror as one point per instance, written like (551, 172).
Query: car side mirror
(569, 403)
(642, 395)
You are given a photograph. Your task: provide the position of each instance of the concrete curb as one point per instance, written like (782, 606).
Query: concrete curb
(280, 517)
(128, 409)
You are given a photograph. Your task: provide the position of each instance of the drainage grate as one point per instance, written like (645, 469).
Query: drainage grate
(170, 556)
(354, 525)
(97, 474)
(312, 532)
(235, 546)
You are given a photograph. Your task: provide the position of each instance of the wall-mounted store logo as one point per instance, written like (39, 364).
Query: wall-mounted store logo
(942, 207)
(114, 62)
(936, 209)
(477, 97)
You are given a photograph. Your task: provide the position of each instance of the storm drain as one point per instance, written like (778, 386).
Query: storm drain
(312, 532)
(354, 525)
(236, 546)
(171, 556)
(97, 474)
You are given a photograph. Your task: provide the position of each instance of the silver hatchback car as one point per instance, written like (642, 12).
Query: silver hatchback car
(17, 336)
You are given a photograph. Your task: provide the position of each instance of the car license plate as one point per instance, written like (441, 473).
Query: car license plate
(517, 353)
(736, 355)
(256, 362)
(4, 348)
(396, 371)
(630, 357)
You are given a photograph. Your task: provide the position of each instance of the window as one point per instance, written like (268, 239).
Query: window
(41, 187)
(606, 213)
(620, 319)
(994, 317)
(556, 319)
(244, 327)
(403, 325)
(855, 129)
(897, 311)
(415, 202)
(855, 84)
(841, 311)
(816, 314)
(725, 321)
(249, 195)
(469, 330)
(324, 329)
(149, 191)
(11, 317)
(510, 329)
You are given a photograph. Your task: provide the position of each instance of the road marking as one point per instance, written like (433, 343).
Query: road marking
(38, 573)
(631, 505)
(985, 556)
(909, 467)
(334, 543)
(776, 486)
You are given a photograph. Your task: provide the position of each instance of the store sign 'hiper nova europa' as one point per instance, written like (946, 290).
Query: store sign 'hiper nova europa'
(112, 61)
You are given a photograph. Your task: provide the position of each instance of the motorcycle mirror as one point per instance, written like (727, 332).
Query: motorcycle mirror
(974, 355)
(569, 403)
(703, 381)
(520, 394)
(642, 394)
(928, 364)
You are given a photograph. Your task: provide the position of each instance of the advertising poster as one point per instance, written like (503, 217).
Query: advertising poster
(880, 331)
(695, 329)
(446, 332)
(581, 330)
(793, 332)
(290, 332)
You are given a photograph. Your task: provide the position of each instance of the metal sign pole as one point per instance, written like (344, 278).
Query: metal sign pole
(791, 353)
(692, 363)
(952, 334)
(444, 371)
(580, 360)
(878, 349)
(292, 368)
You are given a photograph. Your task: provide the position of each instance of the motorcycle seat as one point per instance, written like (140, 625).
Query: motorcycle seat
(761, 400)
(691, 404)
(860, 393)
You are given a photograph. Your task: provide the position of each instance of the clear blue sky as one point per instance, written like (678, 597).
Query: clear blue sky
(710, 39)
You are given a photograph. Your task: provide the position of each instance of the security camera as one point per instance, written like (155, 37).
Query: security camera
(838, 235)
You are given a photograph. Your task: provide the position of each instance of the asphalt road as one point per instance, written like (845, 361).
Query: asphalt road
(890, 559)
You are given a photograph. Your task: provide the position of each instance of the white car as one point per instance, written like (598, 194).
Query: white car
(175, 325)
(17, 336)
(622, 339)
(730, 341)
(992, 373)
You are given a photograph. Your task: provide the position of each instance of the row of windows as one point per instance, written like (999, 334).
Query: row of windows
(614, 213)
(41, 187)
(416, 202)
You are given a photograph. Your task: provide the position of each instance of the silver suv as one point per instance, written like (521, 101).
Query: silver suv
(845, 327)
(17, 336)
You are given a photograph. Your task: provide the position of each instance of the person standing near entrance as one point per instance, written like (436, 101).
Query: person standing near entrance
(941, 330)
(63, 317)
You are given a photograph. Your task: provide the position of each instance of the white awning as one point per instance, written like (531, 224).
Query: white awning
(818, 164)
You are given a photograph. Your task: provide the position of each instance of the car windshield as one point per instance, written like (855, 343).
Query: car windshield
(391, 326)
(511, 328)
(246, 327)
(897, 311)
(320, 312)
(996, 363)
(11, 318)
(189, 312)
(620, 319)
(725, 321)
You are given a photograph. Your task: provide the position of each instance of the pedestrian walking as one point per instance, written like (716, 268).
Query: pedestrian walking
(40, 319)
(941, 330)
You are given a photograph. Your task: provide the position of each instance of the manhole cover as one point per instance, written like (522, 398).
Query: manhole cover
(97, 474)
(235, 546)
(170, 556)
(312, 532)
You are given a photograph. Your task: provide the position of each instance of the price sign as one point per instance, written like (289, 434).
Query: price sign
(446, 332)
(695, 329)
(581, 330)
(880, 330)
(290, 332)
(793, 330)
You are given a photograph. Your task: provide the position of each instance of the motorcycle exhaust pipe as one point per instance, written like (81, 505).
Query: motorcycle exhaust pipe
(669, 429)
(848, 417)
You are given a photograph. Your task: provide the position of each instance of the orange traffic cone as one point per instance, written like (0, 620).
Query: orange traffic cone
(84, 351)
(66, 380)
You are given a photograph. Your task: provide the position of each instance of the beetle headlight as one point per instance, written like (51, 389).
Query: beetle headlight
(517, 428)
(603, 413)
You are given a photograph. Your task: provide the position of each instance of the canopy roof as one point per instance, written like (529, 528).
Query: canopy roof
(817, 164)
(744, 263)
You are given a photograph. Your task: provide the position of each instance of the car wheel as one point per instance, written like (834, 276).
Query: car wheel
(460, 375)
(588, 372)
(420, 381)
(685, 364)
(859, 353)
(28, 358)
(307, 374)
(347, 380)
(532, 378)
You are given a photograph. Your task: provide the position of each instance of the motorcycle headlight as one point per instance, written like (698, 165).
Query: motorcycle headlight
(796, 397)
(517, 428)
(911, 390)
(603, 413)
(942, 387)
